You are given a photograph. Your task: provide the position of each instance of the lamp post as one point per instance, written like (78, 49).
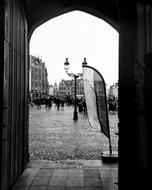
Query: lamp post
(75, 76)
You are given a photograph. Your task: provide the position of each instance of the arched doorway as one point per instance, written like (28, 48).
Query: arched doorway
(73, 34)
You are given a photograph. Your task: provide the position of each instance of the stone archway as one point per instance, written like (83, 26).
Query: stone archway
(68, 25)
(133, 21)
(39, 12)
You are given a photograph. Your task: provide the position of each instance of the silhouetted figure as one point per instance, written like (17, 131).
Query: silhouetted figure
(58, 101)
(50, 102)
(62, 103)
(112, 105)
(80, 106)
(46, 102)
(84, 107)
(38, 103)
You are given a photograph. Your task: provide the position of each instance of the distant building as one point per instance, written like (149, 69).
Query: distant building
(51, 90)
(38, 77)
(113, 90)
(80, 88)
(55, 90)
(67, 88)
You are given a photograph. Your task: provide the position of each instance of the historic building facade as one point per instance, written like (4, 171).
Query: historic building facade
(113, 90)
(38, 76)
(55, 89)
(67, 88)
(51, 90)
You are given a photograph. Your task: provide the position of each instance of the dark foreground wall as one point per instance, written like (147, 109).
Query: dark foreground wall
(14, 79)
(135, 94)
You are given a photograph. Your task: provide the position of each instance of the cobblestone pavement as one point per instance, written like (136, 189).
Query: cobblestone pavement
(53, 135)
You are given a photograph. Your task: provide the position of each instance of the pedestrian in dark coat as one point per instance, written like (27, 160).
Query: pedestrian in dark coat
(58, 101)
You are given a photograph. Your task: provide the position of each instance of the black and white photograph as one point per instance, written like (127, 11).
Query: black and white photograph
(76, 94)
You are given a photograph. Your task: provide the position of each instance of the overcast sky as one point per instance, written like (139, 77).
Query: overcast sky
(76, 35)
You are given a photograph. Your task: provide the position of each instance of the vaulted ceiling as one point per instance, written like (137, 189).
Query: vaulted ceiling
(39, 11)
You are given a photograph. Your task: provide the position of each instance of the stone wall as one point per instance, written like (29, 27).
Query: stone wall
(14, 126)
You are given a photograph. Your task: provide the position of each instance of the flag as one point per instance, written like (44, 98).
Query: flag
(96, 100)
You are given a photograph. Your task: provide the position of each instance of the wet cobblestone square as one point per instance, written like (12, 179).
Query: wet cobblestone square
(53, 135)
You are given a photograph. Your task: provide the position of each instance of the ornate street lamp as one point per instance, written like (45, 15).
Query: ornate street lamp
(84, 62)
(75, 76)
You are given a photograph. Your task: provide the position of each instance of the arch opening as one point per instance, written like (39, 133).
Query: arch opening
(64, 37)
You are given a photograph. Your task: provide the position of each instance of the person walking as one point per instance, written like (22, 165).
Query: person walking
(62, 103)
(58, 101)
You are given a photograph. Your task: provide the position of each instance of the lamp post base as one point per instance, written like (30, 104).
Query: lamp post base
(75, 115)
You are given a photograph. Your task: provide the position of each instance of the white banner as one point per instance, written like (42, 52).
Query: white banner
(95, 95)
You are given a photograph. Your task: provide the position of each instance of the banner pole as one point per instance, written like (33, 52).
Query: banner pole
(110, 146)
(99, 90)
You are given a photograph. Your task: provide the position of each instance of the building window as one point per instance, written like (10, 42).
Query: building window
(36, 84)
(32, 84)
(36, 77)
(32, 76)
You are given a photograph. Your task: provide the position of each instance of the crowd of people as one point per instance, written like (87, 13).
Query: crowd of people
(59, 102)
(112, 104)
